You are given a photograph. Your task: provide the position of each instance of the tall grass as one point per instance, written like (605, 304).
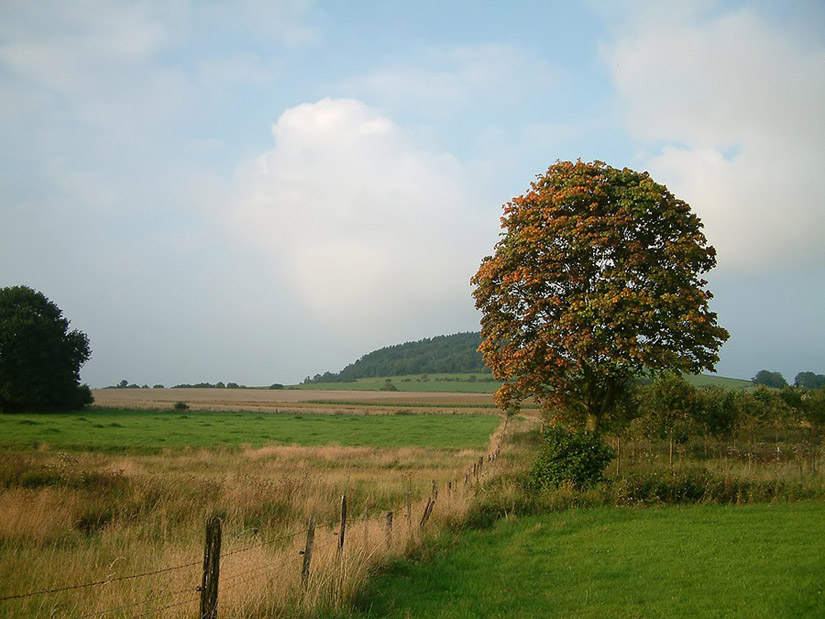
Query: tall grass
(89, 517)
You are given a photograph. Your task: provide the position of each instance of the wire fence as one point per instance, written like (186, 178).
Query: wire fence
(231, 578)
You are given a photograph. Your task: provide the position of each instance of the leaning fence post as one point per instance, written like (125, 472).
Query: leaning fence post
(389, 529)
(308, 552)
(343, 525)
(211, 569)
(427, 511)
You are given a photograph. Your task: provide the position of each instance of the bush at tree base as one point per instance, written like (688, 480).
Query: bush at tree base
(577, 459)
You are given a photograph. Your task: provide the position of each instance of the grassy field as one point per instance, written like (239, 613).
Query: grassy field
(440, 383)
(154, 431)
(480, 383)
(102, 494)
(698, 561)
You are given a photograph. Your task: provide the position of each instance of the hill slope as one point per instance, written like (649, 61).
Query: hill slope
(440, 354)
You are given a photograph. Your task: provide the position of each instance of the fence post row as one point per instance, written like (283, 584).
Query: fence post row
(308, 551)
(211, 569)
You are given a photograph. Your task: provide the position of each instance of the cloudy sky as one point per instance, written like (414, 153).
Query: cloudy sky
(261, 190)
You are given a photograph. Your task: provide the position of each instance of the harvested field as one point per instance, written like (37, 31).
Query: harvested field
(280, 400)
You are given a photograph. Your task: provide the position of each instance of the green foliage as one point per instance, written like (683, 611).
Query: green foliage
(441, 354)
(669, 408)
(597, 278)
(769, 379)
(570, 458)
(181, 406)
(809, 380)
(40, 357)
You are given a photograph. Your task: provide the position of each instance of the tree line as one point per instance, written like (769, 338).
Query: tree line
(805, 380)
(443, 354)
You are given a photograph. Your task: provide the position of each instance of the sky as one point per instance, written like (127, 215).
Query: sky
(262, 190)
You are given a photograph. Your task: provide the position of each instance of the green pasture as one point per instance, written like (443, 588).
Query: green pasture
(483, 383)
(711, 380)
(447, 383)
(153, 431)
(761, 560)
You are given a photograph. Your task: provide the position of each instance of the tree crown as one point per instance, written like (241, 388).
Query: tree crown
(596, 278)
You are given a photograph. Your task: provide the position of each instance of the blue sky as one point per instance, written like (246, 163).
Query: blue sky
(260, 191)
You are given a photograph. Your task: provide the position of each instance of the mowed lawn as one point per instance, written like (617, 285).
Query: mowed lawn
(153, 431)
(763, 560)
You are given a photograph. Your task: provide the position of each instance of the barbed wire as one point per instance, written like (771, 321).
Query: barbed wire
(264, 543)
(366, 517)
(99, 582)
(165, 596)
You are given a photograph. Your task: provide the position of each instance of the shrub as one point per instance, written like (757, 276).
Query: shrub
(181, 406)
(576, 459)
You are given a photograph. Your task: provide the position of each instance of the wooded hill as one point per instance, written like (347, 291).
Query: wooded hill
(440, 354)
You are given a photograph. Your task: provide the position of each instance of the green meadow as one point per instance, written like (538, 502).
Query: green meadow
(440, 383)
(152, 431)
(481, 383)
(763, 560)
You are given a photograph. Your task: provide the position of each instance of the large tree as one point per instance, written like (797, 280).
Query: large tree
(40, 358)
(596, 279)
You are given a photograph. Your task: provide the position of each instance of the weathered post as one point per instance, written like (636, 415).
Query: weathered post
(343, 525)
(435, 490)
(389, 529)
(308, 552)
(211, 569)
(409, 506)
(427, 512)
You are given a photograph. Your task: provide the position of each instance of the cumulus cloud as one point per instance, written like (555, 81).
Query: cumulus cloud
(730, 107)
(371, 230)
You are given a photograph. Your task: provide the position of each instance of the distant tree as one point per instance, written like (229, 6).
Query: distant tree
(809, 380)
(40, 357)
(769, 379)
(595, 280)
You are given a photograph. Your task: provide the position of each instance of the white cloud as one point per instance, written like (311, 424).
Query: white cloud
(452, 78)
(371, 230)
(731, 108)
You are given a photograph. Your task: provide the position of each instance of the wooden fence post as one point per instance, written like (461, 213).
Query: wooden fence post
(409, 508)
(427, 512)
(308, 552)
(343, 525)
(211, 569)
(389, 529)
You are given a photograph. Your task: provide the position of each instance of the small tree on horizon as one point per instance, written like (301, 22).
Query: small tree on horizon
(769, 379)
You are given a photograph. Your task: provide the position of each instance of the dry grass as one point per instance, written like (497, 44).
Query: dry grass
(83, 518)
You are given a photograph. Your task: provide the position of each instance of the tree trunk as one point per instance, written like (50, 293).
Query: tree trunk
(671, 454)
(618, 455)
(592, 422)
